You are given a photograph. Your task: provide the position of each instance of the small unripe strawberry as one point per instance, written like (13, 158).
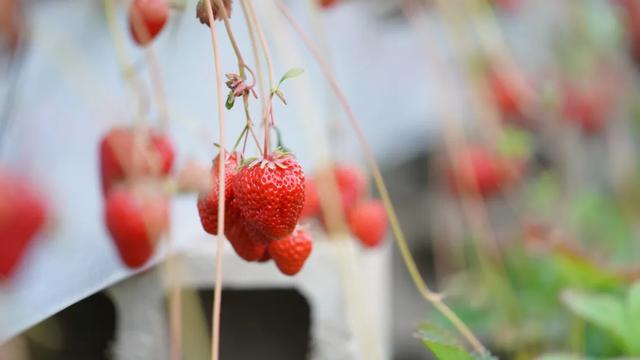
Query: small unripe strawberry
(22, 215)
(291, 252)
(146, 19)
(270, 194)
(203, 16)
(136, 218)
(368, 222)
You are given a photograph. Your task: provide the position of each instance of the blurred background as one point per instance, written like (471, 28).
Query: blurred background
(505, 132)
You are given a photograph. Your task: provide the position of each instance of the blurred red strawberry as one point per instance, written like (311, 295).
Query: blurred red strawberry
(11, 24)
(22, 215)
(120, 161)
(508, 95)
(311, 200)
(478, 171)
(326, 4)
(352, 184)
(586, 107)
(146, 19)
(368, 222)
(136, 218)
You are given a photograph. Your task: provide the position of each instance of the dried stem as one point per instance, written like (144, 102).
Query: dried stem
(268, 111)
(123, 61)
(432, 297)
(158, 85)
(140, 141)
(242, 65)
(217, 296)
(256, 53)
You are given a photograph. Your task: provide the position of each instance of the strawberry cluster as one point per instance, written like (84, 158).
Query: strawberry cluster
(23, 214)
(133, 164)
(367, 218)
(263, 202)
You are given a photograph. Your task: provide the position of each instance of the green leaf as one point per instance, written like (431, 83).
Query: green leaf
(581, 272)
(231, 99)
(603, 310)
(289, 75)
(443, 345)
(633, 318)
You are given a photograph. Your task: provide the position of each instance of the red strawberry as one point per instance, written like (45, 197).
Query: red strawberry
(325, 4)
(291, 252)
(477, 171)
(270, 194)
(509, 98)
(208, 203)
(146, 19)
(249, 243)
(136, 218)
(631, 20)
(12, 25)
(203, 16)
(117, 156)
(22, 216)
(352, 185)
(368, 222)
(586, 107)
(311, 200)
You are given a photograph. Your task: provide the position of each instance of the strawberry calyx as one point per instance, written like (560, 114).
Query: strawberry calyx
(278, 159)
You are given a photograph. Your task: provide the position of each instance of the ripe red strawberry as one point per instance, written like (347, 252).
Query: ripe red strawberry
(208, 203)
(270, 194)
(630, 15)
(12, 25)
(586, 107)
(325, 4)
(117, 156)
(477, 171)
(249, 243)
(509, 98)
(136, 218)
(203, 16)
(22, 216)
(352, 185)
(291, 252)
(368, 222)
(146, 19)
(311, 200)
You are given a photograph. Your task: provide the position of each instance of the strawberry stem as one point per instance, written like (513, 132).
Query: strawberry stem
(215, 321)
(268, 111)
(429, 295)
(242, 135)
